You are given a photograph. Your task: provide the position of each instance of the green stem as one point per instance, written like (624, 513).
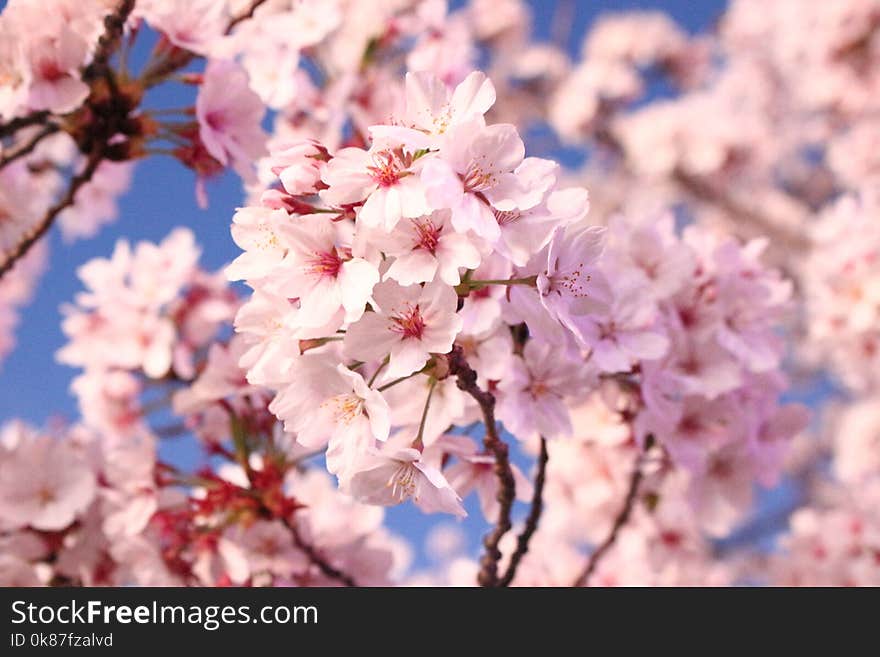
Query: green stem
(525, 280)
(396, 381)
(418, 441)
(378, 372)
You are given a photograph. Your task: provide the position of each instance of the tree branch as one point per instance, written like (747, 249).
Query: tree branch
(114, 24)
(28, 147)
(245, 15)
(30, 238)
(629, 503)
(19, 122)
(702, 191)
(310, 551)
(466, 379)
(522, 541)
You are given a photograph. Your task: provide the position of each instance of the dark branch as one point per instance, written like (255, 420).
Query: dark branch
(83, 177)
(114, 24)
(621, 520)
(108, 42)
(522, 541)
(313, 555)
(16, 124)
(28, 147)
(466, 379)
(245, 15)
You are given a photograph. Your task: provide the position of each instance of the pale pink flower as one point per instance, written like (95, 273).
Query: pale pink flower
(627, 334)
(572, 286)
(533, 392)
(319, 271)
(229, 116)
(476, 472)
(328, 405)
(385, 178)
(474, 175)
(408, 325)
(299, 166)
(397, 473)
(44, 483)
(427, 247)
(256, 231)
(268, 324)
(431, 110)
(196, 26)
(56, 61)
(268, 548)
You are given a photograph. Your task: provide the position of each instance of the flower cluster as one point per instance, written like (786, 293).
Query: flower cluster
(81, 508)
(147, 310)
(369, 265)
(431, 315)
(842, 289)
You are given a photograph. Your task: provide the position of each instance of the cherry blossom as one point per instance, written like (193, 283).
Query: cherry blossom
(408, 324)
(590, 283)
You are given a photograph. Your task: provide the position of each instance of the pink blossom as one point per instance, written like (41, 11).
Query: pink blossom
(229, 116)
(427, 246)
(397, 473)
(319, 271)
(384, 178)
(475, 174)
(408, 325)
(46, 484)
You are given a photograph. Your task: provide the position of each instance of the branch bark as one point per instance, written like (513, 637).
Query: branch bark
(522, 541)
(323, 565)
(14, 125)
(622, 518)
(466, 379)
(30, 238)
(114, 24)
(28, 147)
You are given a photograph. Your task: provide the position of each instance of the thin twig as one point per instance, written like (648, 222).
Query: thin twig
(245, 15)
(28, 147)
(622, 518)
(83, 177)
(114, 24)
(19, 122)
(522, 541)
(466, 379)
(313, 555)
(706, 193)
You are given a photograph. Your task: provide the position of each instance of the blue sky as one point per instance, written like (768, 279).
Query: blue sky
(34, 387)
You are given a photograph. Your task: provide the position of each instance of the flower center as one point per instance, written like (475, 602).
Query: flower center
(538, 389)
(345, 408)
(478, 178)
(45, 496)
(403, 482)
(327, 263)
(410, 323)
(573, 282)
(427, 234)
(389, 167)
(215, 120)
(49, 70)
